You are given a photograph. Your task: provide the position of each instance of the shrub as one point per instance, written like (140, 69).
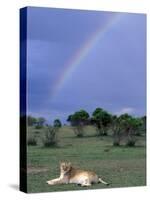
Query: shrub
(57, 123)
(116, 143)
(130, 142)
(139, 133)
(101, 132)
(32, 141)
(101, 119)
(78, 120)
(36, 132)
(79, 131)
(50, 138)
(38, 126)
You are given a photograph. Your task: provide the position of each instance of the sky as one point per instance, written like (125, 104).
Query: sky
(83, 60)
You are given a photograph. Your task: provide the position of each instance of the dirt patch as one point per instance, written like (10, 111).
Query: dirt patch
(35, 170)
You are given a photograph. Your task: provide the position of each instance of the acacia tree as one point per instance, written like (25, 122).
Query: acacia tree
(131, 126)
(143, 127)
(78, 120)
(31, 120)
(101, 119)
(69, 119)
(57, 123)
(125, 127)
(116, 128)
(40, 122)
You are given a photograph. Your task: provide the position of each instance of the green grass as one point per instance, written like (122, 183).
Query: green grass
(120, 166)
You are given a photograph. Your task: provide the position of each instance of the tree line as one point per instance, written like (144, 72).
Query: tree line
(123, 127)
(41, 121)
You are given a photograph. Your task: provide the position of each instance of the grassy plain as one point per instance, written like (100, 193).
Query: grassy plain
(120, 166)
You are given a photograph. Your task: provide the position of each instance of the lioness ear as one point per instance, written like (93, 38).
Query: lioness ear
(69, 163)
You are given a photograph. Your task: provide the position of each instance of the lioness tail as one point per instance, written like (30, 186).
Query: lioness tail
(101, 181)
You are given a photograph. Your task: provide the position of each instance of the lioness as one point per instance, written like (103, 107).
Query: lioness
(69, 174)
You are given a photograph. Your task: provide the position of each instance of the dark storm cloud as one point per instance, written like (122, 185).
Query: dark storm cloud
(112, 76)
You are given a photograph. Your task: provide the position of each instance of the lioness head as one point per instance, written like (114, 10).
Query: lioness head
(65, 167)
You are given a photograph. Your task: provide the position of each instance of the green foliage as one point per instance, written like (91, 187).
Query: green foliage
(116, 142)
(101, 119)
(131, 128)
(37, 122)
(31, 120)
(38, 126)
(32, 140)
(80, 117)
(69, 118)
(78, 120)
(116, 130)
(130, 124)
(130, 141)
(50, 137)
(37, 132)
(142, 129)
(144, 121)
(125, 127)
(57, 123)
(40, 122)
(79, 131)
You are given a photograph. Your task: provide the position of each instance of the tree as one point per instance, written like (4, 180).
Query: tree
(143, 127)
(132, 126)
(40, 122)
(101, 119)
(126, 126)
(69, 119)
(57, 123)
(78, 120)
(50, 137)
(31, 120)
(80, 117)
(116, 130)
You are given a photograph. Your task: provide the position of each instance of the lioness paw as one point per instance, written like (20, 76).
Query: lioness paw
(50, 182)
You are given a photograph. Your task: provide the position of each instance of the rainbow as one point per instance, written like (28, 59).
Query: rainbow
(72, 64)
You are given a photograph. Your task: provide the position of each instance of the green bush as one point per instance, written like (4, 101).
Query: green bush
(116, 143)
(78, 120)
(38, 126)
(37, 131)
(130, 142)
(57, 123)
(50, 137)
(79, 131)
(32, 141)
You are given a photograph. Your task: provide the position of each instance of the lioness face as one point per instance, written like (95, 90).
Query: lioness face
(65, 167)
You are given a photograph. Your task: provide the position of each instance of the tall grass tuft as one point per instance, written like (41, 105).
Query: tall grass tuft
(130, 142)
(50, 137)
(32, 140)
